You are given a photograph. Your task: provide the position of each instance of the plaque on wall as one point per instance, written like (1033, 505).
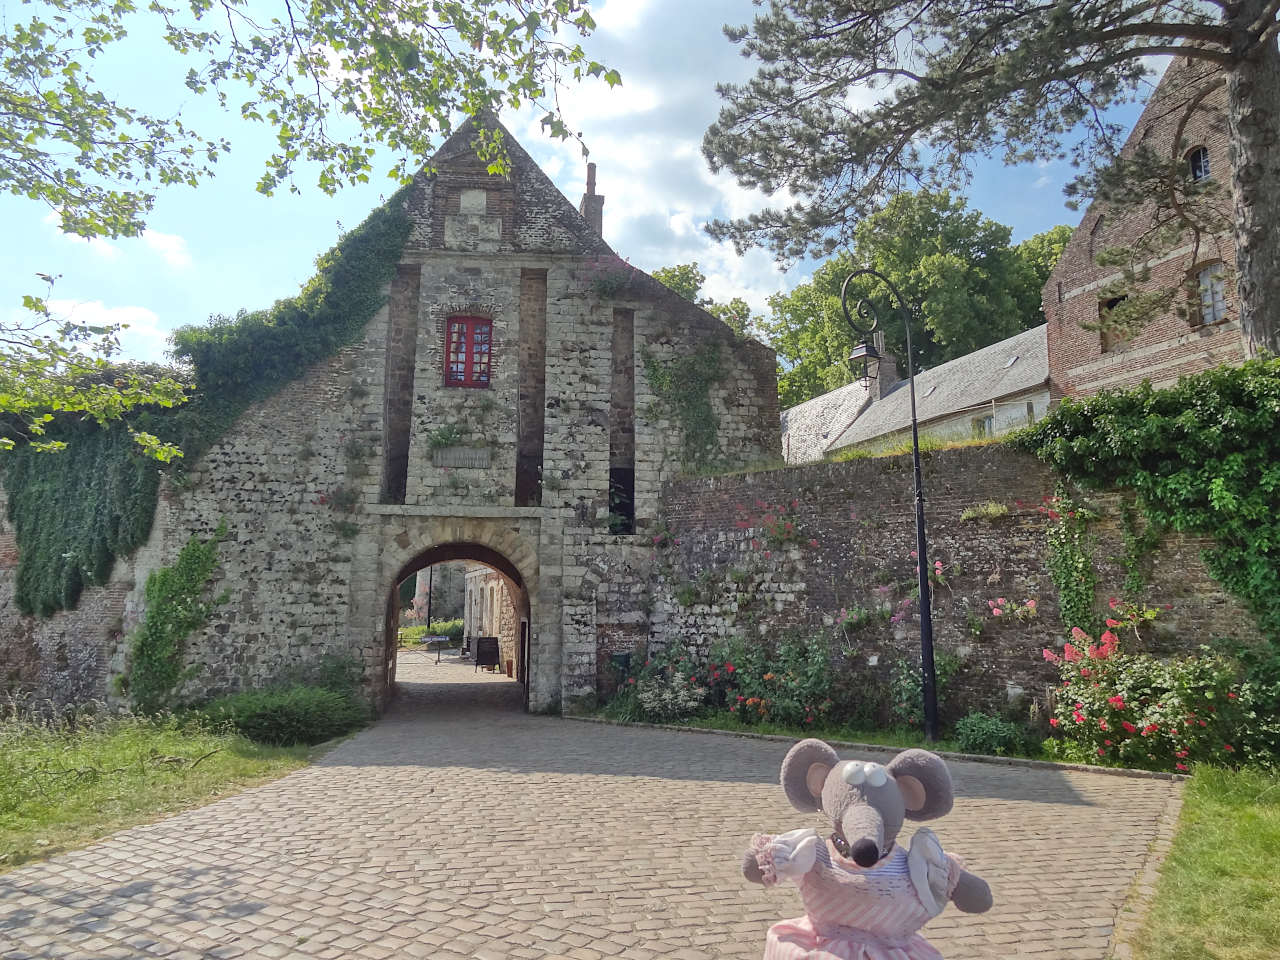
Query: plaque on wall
(461, 458)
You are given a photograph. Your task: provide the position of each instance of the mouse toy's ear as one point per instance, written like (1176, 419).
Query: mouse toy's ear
(925, 783)
(804, 771)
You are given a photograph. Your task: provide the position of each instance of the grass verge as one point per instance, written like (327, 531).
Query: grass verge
(1218, 897)
(64, 786)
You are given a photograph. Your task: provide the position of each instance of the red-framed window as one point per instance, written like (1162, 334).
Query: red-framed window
(469, 352)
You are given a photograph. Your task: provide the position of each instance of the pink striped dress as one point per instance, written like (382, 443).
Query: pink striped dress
(852, 913)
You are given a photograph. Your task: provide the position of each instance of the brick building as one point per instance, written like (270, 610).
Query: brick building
(1190, 98)
(517, 402)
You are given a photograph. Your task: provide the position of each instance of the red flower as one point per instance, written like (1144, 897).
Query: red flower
(1181, 766)
(1117, 701)
(741, 698)
(1107, 742)
(715, 675)
(1070, 653)
(1051, 656)
(631, 680)
(1053, 721)
(1102, 724)
(1086, 672)
(1128, 726)
(1231, 696)
(1150, 728)
(1114, 603)
(1113, 623)
(1229, 748)
(729, 667)
(1181, 753)
(1101, 752)
(813, 543)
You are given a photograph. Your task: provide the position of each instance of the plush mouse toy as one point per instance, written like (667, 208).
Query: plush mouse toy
(864, 896)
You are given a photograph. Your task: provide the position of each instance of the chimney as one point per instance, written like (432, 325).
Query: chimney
(592, 205)
(884, 370)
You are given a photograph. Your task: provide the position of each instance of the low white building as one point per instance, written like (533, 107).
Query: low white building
(986, 393)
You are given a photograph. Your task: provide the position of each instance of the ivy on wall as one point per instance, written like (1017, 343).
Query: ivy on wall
(1203, 457)
(682, 385)
(176, 605)
(1069, 557)
(74, 512)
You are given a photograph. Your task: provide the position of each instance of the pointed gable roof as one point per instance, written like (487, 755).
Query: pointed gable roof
(535, 215)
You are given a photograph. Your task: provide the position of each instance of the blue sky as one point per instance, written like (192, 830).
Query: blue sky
(222, 246)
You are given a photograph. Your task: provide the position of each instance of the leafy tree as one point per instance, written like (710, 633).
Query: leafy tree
(51, 366)
(1043, 251)
(684, 278)
(687, 280)
(404, 72)
(947, 80)
(972, 289)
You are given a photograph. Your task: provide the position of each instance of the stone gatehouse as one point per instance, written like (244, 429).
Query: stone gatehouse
(518, 401)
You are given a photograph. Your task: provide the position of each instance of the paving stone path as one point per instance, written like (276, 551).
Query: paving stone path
(460, 827)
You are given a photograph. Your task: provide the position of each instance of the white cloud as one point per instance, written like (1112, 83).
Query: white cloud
(142, 339)
(171, 247)
(1042, 181)
(96, 245)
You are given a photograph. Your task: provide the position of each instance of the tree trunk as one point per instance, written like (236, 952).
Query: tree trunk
(1253, 91)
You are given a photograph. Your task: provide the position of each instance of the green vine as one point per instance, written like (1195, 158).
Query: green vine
(175, 607)
(683, 388)
(74, 512)
(1203, 457)
(1138, 547)
(1070, 561)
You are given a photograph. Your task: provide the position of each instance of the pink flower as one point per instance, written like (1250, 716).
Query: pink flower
(1070, 653)
(1113, 623)
(1231, 696)
(1031, 604)
(1102, 725)
(1114, 603)
(1181, 766)
(813, 543)
(631, 679)
(1117, 701)
(1051, 656)
(1101, 752)
(914, 554)
(768, 554)
(1002, 602)
(997, 612)
(1106, 743)
(730, 667)
(1053, 721)
(1078, 635)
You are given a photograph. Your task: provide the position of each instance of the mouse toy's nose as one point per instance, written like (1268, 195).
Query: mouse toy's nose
(865, 853)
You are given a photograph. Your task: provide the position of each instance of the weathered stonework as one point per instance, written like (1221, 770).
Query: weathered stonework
(336, 489)
(718, 573)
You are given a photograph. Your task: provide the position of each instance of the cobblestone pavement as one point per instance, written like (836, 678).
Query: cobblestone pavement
(461, 827)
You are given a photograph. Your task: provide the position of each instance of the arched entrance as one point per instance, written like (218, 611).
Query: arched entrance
(517, 647)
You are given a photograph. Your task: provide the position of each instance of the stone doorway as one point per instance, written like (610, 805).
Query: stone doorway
(497, 604)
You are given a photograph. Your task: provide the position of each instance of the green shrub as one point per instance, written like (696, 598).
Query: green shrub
(447, 628)
(284, 716)
(665, 689)
(991, 510)
(985, 734)
(788, 684)
(1134, 710)
(906, 687)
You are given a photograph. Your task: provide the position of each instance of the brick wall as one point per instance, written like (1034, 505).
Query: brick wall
(1080, 361)
(850, 546)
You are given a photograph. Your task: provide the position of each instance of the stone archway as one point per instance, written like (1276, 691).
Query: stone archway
(509, 548)
(511, 578)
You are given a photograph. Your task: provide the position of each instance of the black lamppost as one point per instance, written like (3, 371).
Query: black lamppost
(864, 353)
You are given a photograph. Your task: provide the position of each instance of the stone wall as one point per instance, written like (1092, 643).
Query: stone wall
(1084, 361)
(843, 537)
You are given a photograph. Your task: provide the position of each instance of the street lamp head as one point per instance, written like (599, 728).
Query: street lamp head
(861, 361)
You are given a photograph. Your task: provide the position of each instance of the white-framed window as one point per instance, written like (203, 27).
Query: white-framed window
(1198, 164)
(1213, 293)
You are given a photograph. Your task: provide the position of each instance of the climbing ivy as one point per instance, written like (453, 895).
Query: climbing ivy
(1138, 547)
(1070, 561)
(682, 385)
(74, 512)
(1202, 456)
(176, 605)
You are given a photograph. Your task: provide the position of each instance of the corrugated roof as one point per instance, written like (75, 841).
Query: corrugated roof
(807, 428)
(1010, 366)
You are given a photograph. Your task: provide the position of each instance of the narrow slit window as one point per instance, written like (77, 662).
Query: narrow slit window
(1198, 164)
(1213, 294)
(470, 350)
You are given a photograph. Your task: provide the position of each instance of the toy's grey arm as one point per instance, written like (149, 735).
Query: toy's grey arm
(972, 895)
